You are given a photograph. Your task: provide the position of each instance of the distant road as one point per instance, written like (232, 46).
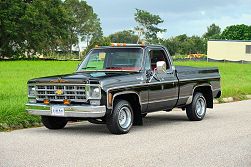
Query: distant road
(222, 139)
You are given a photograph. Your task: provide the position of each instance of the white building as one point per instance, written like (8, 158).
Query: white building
(231, 50)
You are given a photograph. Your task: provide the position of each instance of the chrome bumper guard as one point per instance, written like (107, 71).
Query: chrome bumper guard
(80, 111)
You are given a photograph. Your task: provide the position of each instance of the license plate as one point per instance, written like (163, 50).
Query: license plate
(57, 111)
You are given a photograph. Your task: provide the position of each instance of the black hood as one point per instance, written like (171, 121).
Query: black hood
(78, 77)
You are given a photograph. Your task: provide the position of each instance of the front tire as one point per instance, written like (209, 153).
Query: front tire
(196, 111)
(54, 122)
(121, 119)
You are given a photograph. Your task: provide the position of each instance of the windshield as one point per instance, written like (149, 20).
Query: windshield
(111, 59)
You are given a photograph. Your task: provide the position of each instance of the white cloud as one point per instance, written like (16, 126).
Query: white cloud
(202, 12)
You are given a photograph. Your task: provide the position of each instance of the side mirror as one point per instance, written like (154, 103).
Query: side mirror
(161, 67)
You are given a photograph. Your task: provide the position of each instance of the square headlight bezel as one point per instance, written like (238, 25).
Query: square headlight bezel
(90, 90)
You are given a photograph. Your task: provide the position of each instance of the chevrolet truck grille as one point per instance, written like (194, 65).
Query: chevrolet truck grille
(57, 93)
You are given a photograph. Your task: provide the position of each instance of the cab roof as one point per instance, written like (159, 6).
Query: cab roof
(121, 45)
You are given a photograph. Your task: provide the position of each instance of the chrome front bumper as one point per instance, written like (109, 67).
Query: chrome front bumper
(81, 111)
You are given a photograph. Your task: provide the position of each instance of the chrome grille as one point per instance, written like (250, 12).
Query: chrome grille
(75, 93)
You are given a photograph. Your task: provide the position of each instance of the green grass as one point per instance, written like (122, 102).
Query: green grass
(236, 82)
(13, 88)
(235, 78)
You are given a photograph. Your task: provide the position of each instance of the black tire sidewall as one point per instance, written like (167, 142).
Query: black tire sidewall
(113, 120)
(51, 122)
(191, 109)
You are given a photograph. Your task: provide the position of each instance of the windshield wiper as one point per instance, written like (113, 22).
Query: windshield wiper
(113, 68)
(87, 68)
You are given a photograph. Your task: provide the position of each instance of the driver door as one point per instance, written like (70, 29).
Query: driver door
(162, 89)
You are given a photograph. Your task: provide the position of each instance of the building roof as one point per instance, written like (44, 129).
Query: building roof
(222, 40)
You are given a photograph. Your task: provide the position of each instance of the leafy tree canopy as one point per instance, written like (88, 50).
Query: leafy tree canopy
(237, 32)
(126, 36)
(11, 26)
(42, 26)
(96, 42)
(213, 32)
(182, 44)
(148, 25)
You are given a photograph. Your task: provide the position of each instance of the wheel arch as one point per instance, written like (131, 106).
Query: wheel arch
(206, 90)
(132, 97)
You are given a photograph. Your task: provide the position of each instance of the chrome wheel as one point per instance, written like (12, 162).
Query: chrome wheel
(200, 107)
(125, 117)
(196, 111)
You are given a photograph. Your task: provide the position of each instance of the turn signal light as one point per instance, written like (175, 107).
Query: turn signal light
(118, 44)
(110, 99)
(67, 102)
(46, 101)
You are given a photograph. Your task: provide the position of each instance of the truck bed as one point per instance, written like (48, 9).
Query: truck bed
(195, 73)
(196, 70)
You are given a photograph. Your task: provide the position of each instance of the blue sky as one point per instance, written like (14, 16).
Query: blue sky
(180, 16)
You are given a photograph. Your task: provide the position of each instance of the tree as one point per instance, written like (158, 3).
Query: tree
(237, 32)
(11, 27)
(213, 32)
(45, 25)
(94, 30)
(86, 24)
(42, 26)
(171, 44)
(196, 44)
(147, 25)
(126, 36)
(182, 44)
(102, 41)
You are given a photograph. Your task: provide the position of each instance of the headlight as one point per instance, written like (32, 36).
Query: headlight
(31, 91)
(93, 92)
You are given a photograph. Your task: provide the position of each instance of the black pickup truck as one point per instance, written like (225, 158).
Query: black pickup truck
(118, 85)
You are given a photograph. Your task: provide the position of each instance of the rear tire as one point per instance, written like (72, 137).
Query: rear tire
(54, 122)
(196, 111)
(121, 119)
